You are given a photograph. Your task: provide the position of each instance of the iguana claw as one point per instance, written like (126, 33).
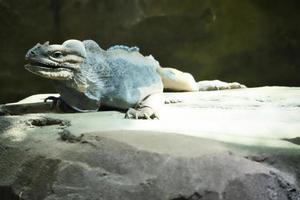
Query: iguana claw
(58, 104)
(56, 101)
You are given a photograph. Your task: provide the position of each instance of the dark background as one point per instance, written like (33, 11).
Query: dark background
(255, 42)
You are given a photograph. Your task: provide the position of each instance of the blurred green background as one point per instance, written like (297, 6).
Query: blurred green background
(255, 42)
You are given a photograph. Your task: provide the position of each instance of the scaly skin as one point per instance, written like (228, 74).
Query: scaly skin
(88, 77)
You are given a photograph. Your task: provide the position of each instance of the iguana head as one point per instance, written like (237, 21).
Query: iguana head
(58, 62)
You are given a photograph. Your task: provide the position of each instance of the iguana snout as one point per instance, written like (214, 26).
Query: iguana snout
(58, 62)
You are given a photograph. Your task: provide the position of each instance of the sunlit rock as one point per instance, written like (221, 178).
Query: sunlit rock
(232, 144)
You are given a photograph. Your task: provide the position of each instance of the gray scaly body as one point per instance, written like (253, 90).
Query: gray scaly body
(88, 77)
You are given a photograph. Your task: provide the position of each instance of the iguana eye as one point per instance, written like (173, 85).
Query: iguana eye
(57, 54)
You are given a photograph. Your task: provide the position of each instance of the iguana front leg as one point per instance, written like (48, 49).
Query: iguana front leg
(58, 104)
(148, 108)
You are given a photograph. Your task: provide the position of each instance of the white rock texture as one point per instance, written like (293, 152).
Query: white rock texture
(231, 144)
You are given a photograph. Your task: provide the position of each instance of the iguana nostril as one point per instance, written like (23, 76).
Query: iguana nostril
(29, 54)
(32, 53)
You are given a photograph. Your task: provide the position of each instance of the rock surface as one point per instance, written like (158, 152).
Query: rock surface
(217, 145)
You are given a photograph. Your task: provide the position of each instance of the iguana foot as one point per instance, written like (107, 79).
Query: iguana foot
(58, 104)
(218, 85)
(147, 108)
(141, 113)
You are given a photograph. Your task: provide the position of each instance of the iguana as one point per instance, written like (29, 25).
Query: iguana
(88, 77)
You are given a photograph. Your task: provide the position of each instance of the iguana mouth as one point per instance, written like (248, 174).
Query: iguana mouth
(42, 65)
(34, 63)
(49, 70)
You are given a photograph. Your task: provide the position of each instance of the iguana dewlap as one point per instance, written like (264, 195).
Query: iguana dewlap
(88, 77)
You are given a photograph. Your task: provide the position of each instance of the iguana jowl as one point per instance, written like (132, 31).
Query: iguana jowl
(88, 77)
